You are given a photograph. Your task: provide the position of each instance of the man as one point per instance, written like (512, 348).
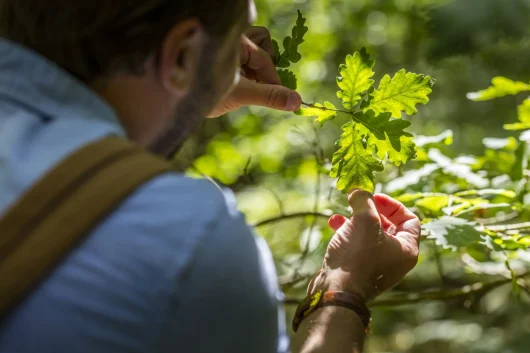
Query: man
(174, 268)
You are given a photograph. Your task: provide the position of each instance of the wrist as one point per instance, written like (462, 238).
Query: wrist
(338, 280)
(320, 299)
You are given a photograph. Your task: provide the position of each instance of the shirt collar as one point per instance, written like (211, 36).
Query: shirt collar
(34, 81)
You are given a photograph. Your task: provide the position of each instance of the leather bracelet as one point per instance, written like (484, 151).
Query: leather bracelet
(343, 299)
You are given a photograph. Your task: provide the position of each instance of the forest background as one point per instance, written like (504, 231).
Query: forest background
(469, 292)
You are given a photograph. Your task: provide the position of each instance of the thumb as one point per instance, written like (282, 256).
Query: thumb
(363, 205)
(272, 96)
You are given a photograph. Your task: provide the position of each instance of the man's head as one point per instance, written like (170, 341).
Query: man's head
(154, 61)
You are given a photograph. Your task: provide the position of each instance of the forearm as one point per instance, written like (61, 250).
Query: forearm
(330, 329)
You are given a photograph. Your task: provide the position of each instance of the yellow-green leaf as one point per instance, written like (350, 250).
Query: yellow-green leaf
(354, 163)
(524, 111)
(355, 78)
(323, 113)
(524, 117)
(500, 87)
(401, 94)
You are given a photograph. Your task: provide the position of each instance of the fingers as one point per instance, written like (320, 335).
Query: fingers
(392, 209)
(277, 97)
(262, 38)
(336, 221)
(408, 225)
(259, 61)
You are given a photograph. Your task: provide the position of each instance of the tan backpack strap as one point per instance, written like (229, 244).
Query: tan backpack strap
(52, 217)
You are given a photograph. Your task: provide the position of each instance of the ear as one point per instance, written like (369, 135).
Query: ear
(179, 56)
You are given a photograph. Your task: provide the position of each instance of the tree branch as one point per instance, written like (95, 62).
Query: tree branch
(411, 298)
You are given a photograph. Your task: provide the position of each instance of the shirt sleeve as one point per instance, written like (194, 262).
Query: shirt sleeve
(228, 300)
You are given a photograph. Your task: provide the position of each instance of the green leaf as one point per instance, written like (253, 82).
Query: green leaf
(355, 78)
(521, 162)
(276, 49)
(323, 113)
(523, 112)
(354, 164)
(291, 43)
(517, 126)
(390, 139)
(454, 233)
(401, 93)
(501, 86)
(288, 79)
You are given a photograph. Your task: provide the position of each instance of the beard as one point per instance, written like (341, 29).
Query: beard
(191, 112)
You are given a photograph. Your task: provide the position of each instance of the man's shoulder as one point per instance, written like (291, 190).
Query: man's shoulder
(173, 213)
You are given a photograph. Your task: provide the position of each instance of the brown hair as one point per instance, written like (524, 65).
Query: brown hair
(94, 38)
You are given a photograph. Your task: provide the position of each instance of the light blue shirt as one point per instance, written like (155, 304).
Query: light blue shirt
(174, 269)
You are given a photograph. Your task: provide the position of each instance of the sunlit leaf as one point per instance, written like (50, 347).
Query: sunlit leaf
(433, 205)
(354, 164)
(401, 93)
(388, 136)
(501, 86)
(484, 206)
(485, 192)
(355, 78)
(524, 111)
(323, 113)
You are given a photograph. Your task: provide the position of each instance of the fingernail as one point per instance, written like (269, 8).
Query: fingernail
(293, 101)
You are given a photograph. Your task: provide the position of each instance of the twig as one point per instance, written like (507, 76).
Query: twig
(292, 216)
(494, 228)
(411, 298)
(507, 227)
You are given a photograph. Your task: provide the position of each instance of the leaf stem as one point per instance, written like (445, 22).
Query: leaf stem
(312, 105)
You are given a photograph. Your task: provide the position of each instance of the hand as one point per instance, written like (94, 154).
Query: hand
(260, 83)
(373, 250)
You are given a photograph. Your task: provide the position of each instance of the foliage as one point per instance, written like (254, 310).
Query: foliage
(290, 52)
(468, 294)
(376, 130)
(502, 86)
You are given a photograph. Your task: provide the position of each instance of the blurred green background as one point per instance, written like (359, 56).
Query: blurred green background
(275, 162)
